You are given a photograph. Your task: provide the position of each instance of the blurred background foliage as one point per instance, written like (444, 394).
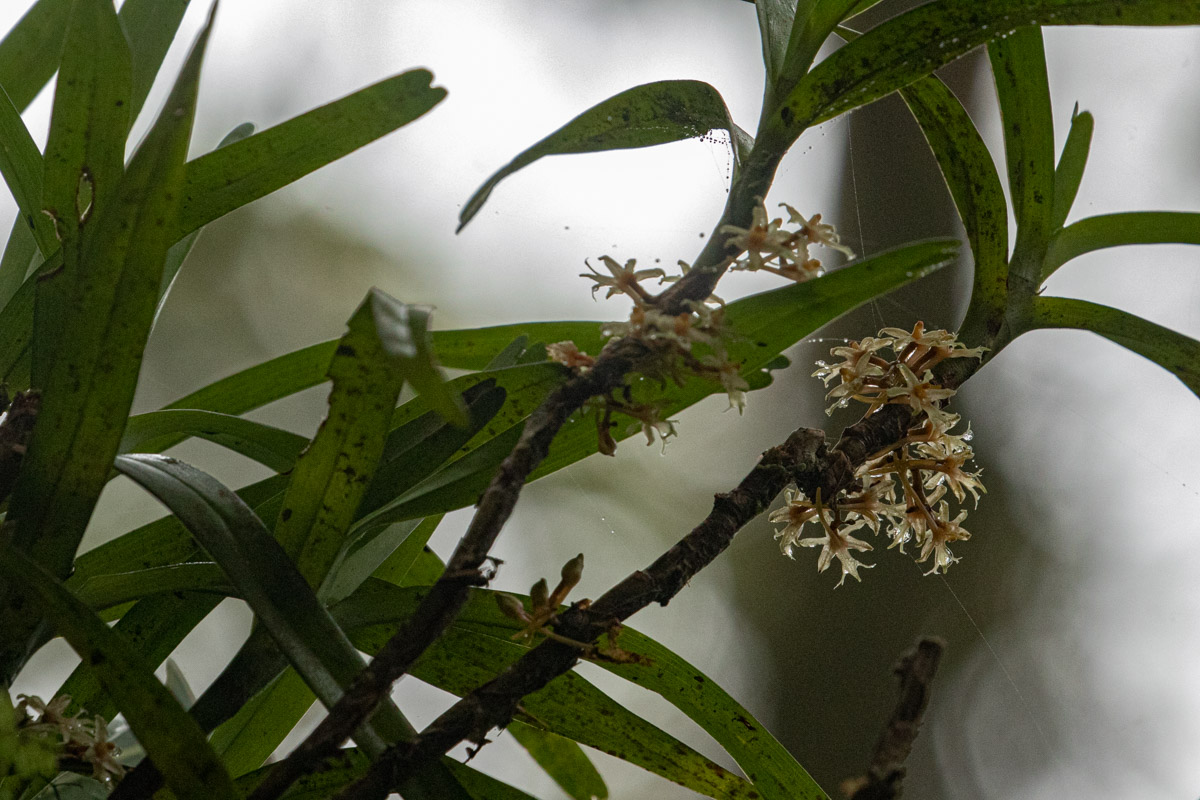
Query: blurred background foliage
(1071, 619)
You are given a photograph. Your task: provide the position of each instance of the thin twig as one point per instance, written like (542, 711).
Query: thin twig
(915, 670)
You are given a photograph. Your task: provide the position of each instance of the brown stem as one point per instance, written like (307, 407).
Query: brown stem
(915, 670)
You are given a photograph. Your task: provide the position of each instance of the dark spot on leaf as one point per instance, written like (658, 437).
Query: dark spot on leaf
(96, 658)
(787, 115)
(346, 350)
(286, 515)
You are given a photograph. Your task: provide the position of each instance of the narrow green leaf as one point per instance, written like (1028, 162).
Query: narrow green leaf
(361, 557)
(570, 706)
(21, 166)
(165, 541)
(302, 369)
(263, 383)
(1172, 351)
(403, 330)
(1019, 68)
(769, 766)
(171, 738)
(775, 20)
(90, 384)
(16, 327)
(970, 174)
(180, 250)
(248, 739)
(105, 591)
(919, 41)
(153, 627)
(372, 361)
(406, 566)
(420, 444)
(233, 176)
(1115, 230)
(30, 51)
(1071, 163)
(29, 54)
(150, 26)
(18, 257)
(562, 759)
(646, 115)
(265, 577)
(273, 447)
(85, 150)
(813, 27)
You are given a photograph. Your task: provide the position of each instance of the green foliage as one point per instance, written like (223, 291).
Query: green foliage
(330, 551)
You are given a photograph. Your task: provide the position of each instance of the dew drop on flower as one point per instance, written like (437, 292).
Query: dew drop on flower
(968, 436)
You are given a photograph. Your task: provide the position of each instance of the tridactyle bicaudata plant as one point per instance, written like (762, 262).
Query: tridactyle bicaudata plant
(902, 487)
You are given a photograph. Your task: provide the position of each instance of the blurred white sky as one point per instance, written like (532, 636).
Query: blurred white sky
(1109, 441)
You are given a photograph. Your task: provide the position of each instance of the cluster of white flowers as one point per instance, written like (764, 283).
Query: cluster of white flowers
(903, 487)
(768, 245)
(71, 736)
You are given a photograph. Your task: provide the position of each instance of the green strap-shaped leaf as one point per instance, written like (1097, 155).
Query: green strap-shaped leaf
(248, 739)
(21, 166)
(171, 738)
(775, 21)
(85, 150)
(970, 174)
(570, 706)
(1071, 163)
(164, 541)
(1115, 230)
(768, 765)
(150, 26)
(265, 577)
(562, 759)
(812, 29)
(919, 41)
(371, 363)
(270, 446)
(30, 51)
(1019, 68)
(154, 627)
(414, 447)
(1172, 351)
(406, 566)
(90, 384)
(19, 251)
(233, 176)
(646, 115)
(105, 591)
(367, 547)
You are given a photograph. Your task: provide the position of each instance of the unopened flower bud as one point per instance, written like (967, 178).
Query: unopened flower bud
(511, 607)
(540, 595)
